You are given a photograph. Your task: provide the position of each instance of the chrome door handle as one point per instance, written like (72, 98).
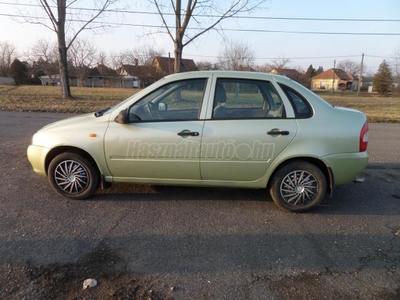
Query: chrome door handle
(188, 133)
(277, 131)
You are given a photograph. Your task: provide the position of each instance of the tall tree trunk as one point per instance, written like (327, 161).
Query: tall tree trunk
(178, 56)
(62, 50)
(178, 38)
(64, 76)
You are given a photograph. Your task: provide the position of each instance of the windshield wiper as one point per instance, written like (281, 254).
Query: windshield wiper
(100, 112)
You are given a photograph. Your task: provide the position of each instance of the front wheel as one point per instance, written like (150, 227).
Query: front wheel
(298, 186)
(73, 176)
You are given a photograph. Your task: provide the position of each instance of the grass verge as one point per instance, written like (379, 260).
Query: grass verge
(48, 98)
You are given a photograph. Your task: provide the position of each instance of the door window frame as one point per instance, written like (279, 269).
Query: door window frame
(158, 99)
(257, 82)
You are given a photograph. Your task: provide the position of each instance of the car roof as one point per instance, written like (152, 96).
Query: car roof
(219, 73)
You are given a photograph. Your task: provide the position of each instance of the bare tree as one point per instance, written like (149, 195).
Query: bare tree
(102, 58)
(179, 31)
(207, 65)
(145, 54)
(56, 13)
(350, 66)
(266, 68)
(235, 56)
(396, 62)
(115, 59)
(44, 57)
(141, 55)
(7, 56)
(127, 57)
(83, 57)
(281, 62)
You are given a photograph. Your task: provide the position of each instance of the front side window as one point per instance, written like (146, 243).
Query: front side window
(246, 99)
(179, 100)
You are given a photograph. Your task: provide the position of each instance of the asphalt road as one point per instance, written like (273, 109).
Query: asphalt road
(200, 243)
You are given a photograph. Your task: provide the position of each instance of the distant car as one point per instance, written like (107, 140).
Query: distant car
(210, 128)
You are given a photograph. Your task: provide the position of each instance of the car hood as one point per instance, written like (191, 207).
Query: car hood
(81, 131)
(70, 122)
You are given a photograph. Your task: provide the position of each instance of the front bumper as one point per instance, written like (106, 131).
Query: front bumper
(37, 157)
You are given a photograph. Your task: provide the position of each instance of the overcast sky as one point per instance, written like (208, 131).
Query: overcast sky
(301, 48)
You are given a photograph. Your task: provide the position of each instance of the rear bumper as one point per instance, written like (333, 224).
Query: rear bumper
(347, 167)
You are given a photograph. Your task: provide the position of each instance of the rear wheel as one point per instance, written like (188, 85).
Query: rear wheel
(298, 186)
(73, 176)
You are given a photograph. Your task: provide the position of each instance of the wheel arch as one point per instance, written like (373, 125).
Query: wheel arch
(327, 171)
(63, 149)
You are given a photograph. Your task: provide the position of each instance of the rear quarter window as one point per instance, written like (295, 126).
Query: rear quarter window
(301, 107)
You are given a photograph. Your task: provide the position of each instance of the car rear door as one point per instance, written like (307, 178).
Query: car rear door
(247, 130)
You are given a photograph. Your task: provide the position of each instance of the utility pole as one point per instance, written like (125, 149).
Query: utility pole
(333, 76)
(169, 63)
(360, 78)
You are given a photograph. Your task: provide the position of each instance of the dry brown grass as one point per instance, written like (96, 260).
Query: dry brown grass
(48, 99)
(377, 108)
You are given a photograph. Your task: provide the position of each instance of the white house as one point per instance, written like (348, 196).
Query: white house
(7, 81)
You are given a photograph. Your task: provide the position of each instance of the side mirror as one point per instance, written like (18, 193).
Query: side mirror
(162, 106)
(122, 117)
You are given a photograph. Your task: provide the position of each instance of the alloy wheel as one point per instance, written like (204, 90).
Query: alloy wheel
(299, 188)
(71, 177)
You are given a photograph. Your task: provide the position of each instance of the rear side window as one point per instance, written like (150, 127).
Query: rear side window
(302, 109)
(237, 98)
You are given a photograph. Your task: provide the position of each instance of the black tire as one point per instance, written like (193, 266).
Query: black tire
(298, 186)
(73, 176)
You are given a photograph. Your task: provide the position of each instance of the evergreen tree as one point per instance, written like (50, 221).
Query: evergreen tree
(18, 71)
(310, 71)
(308, 75)
(383, 79)
(319, 71)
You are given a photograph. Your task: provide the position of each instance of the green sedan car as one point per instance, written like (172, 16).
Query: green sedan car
(210, 128)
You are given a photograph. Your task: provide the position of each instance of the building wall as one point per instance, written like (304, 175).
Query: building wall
(324, 84)
(7, 81)
(117, 81)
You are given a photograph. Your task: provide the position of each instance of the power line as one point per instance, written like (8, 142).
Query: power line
(102, 23)
(214, 16)
(379, 56)
(291, 58)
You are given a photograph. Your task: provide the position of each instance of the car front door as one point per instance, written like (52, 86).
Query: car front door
(162, 137)
(248, 129)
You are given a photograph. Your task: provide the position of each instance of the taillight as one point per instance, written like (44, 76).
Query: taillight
(364, 137)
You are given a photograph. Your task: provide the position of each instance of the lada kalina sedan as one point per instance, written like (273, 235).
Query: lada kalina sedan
(210, 128)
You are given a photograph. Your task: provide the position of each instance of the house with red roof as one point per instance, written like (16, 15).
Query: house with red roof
(165, 65)
(291, 73)
(338, 78)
